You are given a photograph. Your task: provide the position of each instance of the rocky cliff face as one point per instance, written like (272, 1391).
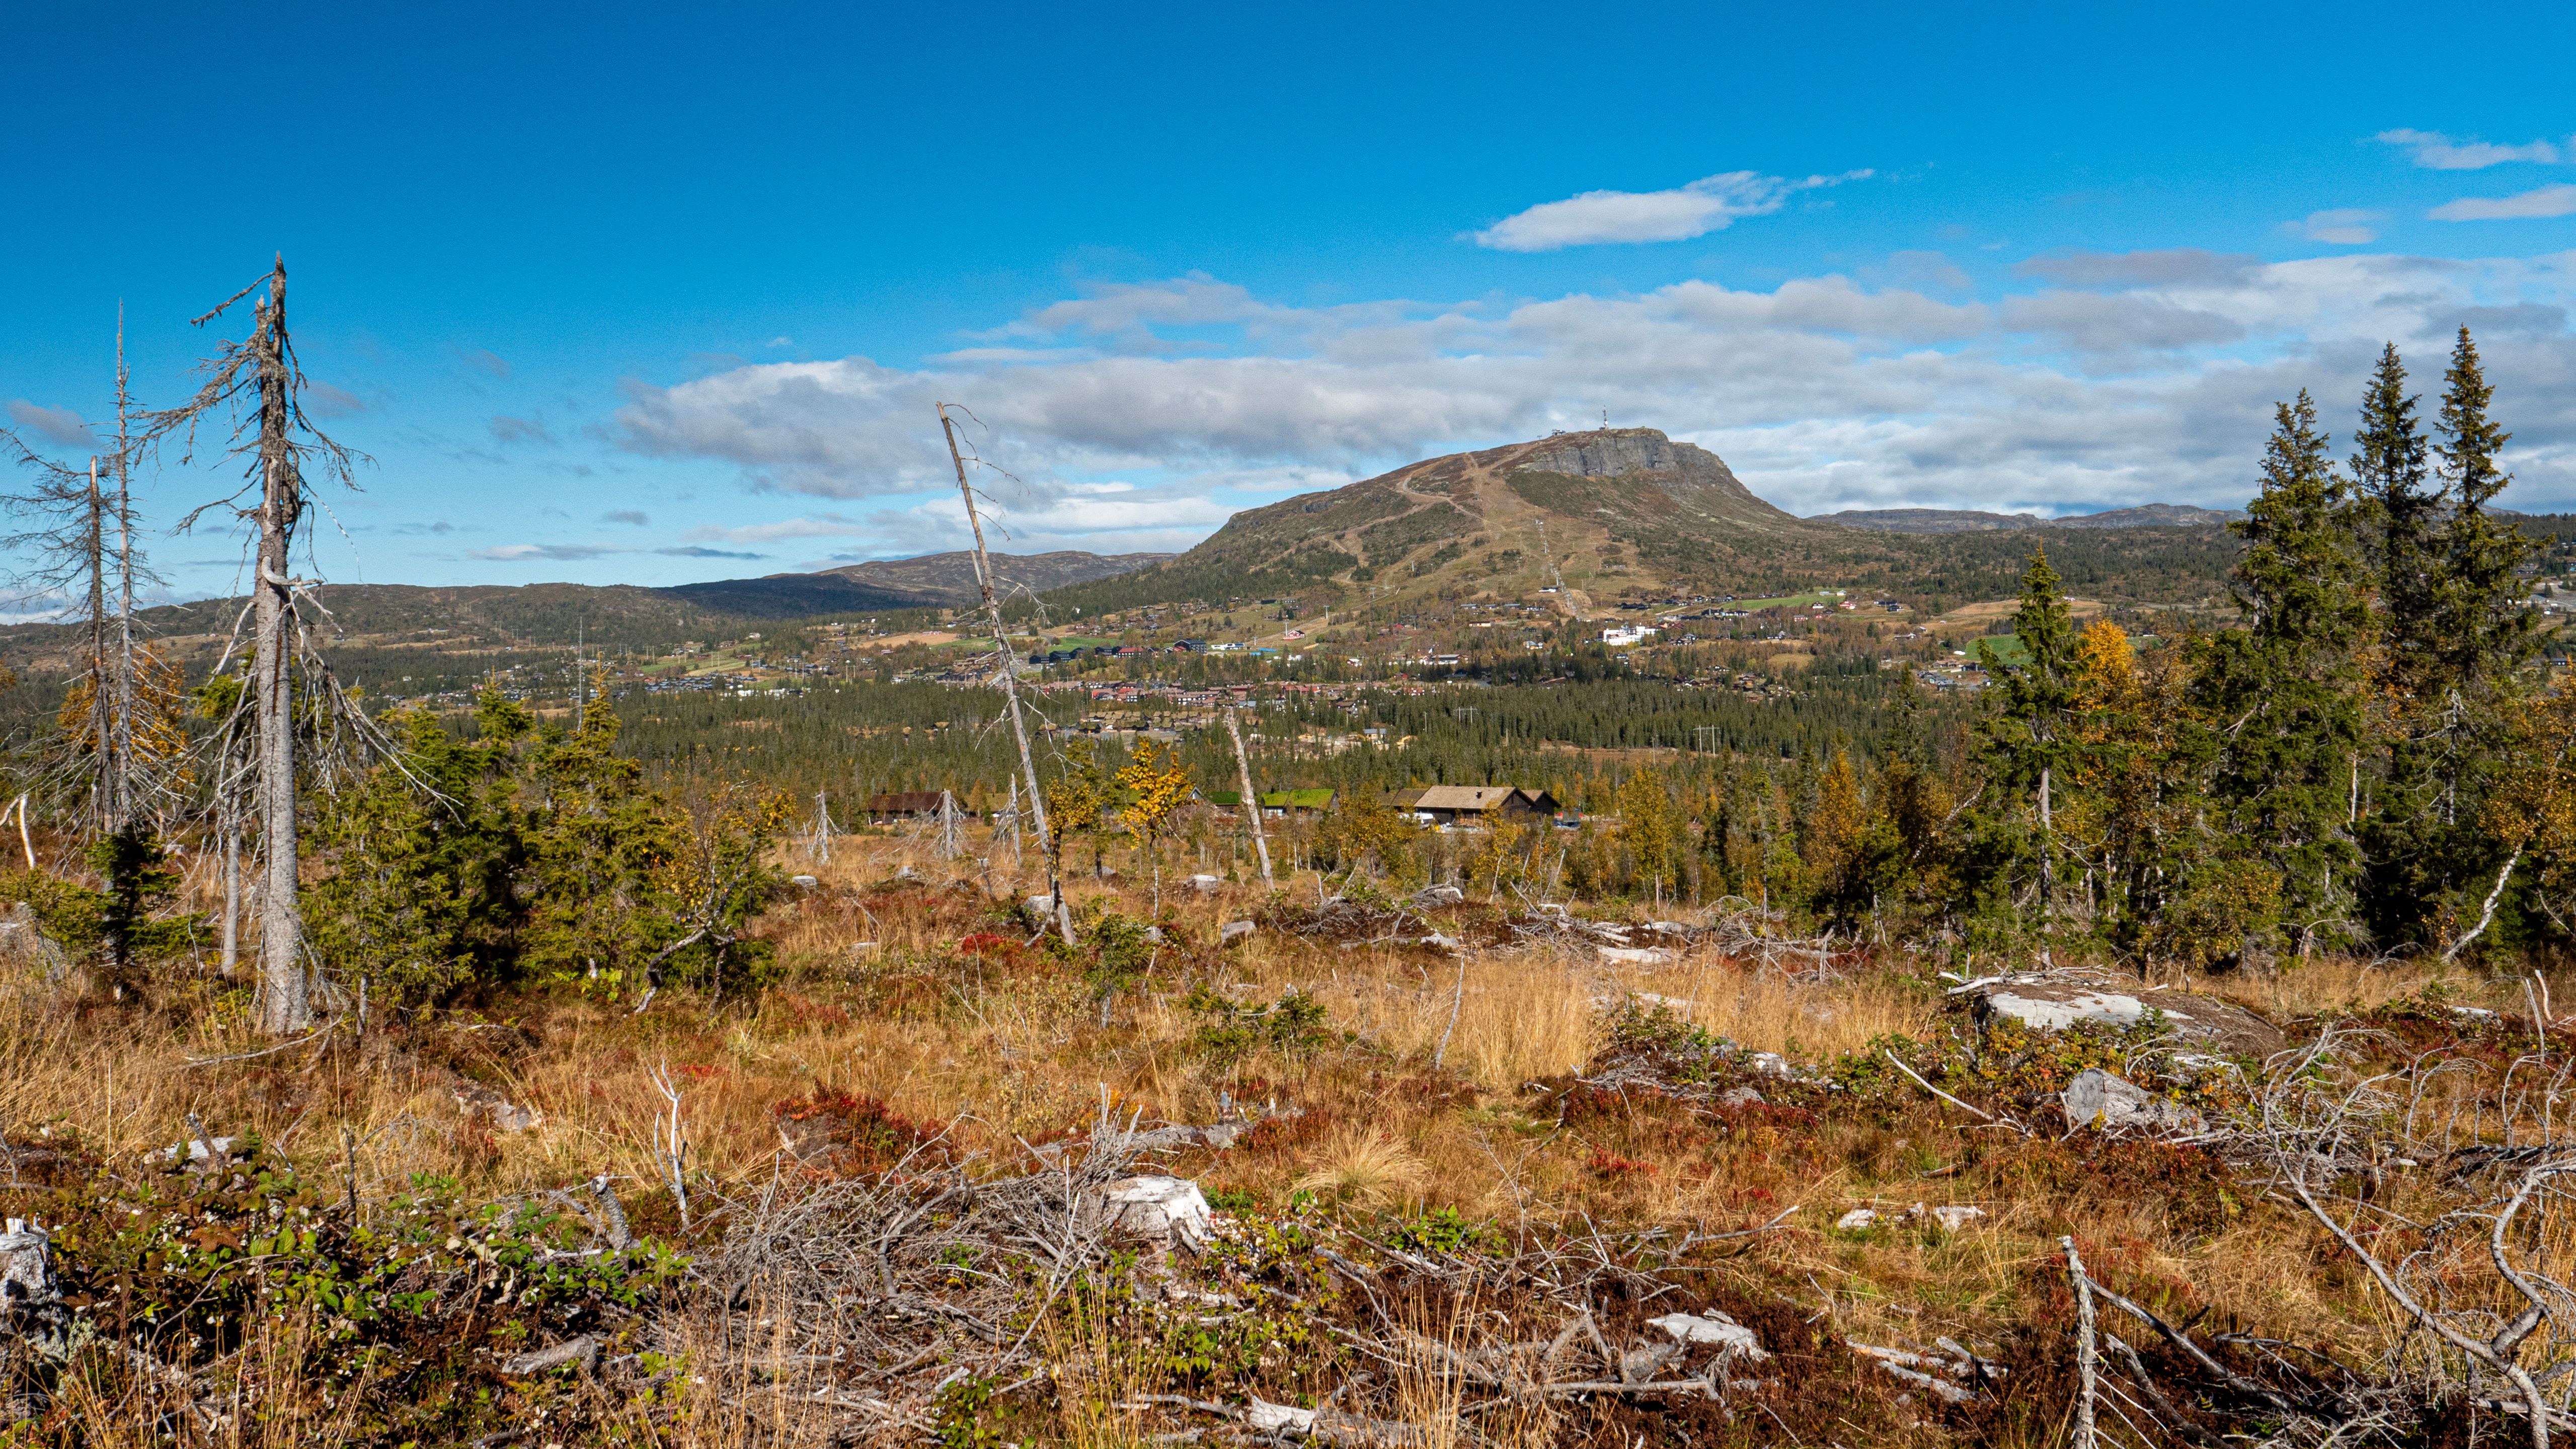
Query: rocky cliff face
(1622, 451)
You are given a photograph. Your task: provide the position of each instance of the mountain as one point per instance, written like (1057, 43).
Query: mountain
(1947, 520)
(950, 577)
(934, 581)
(409, 622)
(1622, 513)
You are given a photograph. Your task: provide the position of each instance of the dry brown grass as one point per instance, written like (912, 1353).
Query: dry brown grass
(1366, 1166)
(1006, 1046)
(1770, 1011)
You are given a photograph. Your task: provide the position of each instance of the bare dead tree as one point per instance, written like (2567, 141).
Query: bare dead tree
(80, 540)
(1008, 668)
(258, 382)
(1251, 802)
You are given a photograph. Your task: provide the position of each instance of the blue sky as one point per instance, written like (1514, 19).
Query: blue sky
(650, 294)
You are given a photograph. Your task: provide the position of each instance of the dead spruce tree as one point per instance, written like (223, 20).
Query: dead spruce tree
(258, 382)
(108, 769)
(1006, 664)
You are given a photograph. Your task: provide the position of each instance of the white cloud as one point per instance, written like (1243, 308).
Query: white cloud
(59, 426)
(2343, 227)
(2437, 152)
(830, 525)
(2558, 200)
(1709, 204)
(2105, 379)
(540, 552)
(584, 552)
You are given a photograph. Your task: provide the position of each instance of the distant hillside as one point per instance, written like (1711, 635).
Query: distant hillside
(932, 581)
(381, 629)
(1628, 513)
(949, 578)
(1947, 520)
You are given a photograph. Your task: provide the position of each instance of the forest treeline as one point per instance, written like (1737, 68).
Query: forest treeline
(2373, 758)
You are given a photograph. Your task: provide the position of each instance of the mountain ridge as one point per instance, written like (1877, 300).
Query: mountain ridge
(1962, 520)
(1622, 513)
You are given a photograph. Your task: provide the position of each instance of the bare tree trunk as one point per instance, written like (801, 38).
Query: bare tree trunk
(124, 801)
(2085, 1436)
(1010, 684)
(2047, 867)
(232, 896)
(1251, 802)
(2486, 917)
(102, 697)
(285, 1001)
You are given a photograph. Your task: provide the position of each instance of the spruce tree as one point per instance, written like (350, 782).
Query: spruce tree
(2028, 738)
(2391, 471)
(2282, 692)
(2456, 685)
(2485, 630)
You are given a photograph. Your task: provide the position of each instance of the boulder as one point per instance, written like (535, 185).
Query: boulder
(802, 882)
(2097, 1098)
(1438, 895)
(1040, 910)
(2056, 1001)
(1233, 931)
(1740, 1097)
(1205, 884)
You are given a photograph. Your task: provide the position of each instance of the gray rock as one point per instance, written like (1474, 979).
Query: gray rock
(2056, 1002)
(1233, 931)
(1204, 884)
(1439, 895)
(1740, 1097)
(802, 882)
(2097, 1098)
(197, 1150)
